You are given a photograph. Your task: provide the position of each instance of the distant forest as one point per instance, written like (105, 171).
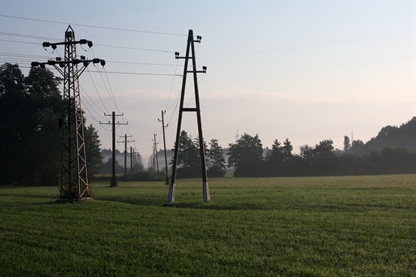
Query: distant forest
(392, 151)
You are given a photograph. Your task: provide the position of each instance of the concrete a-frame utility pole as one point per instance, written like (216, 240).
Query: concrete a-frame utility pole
(205, 188)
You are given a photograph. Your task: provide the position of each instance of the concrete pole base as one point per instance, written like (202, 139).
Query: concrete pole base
(205, 192)
(171, 196)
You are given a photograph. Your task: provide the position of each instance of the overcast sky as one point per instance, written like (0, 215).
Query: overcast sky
(303, 70)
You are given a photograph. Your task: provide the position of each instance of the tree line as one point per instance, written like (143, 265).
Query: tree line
(393, 151)
(189, 159)
(30, 140)
(30, 143)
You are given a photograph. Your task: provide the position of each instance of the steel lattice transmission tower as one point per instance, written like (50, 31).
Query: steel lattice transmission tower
(74, 173)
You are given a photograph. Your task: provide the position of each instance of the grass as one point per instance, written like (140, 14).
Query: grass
(329, 226)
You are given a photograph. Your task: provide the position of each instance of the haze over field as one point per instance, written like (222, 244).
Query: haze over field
(303, 70)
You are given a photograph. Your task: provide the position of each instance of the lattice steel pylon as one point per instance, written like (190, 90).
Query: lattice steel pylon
(190, 55)
(74, 174)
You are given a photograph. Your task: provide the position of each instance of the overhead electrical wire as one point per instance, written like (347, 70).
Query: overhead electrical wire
(93, 26)
(110, 72)
(138, 73)
(26, 36)
(110, 89)
(95, 44)
(86, 94)
(22, 55)
(99, 96)
(124, 62)
(135, 48)
(111, 94)
(16, 41)
(107, 83)
(85, 106)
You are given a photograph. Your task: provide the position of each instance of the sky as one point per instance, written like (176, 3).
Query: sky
(302, 70)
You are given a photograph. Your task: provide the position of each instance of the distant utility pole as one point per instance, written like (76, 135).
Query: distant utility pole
(164, 145)
(131, 160)
(125, 151)
(74, 174)
(113, 182)
(155, 159)
(135, 160)
(205, 188)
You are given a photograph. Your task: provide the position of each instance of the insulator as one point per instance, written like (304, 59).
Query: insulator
(50, 62)
(82, 57)
(53, 46)
(61, 64)
(89, 43)
(176, 54)
(102, 62)
(83, 41)
(86, 63)
(42, 65)
(34, 64)
(96, 60)
(58, 59)
(204, 68)
(46, 44)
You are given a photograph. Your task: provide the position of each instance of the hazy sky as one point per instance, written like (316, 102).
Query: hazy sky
(303, 70)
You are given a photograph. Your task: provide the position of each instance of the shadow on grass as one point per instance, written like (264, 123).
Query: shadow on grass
(159, 201)
(148, 200)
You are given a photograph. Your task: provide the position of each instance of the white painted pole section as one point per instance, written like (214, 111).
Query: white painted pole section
(171, 195)
(205, 192)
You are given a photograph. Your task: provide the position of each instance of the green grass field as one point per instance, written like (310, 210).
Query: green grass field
(329, 226)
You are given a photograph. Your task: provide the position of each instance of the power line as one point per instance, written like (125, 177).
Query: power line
(96, 90)
(121, 72)
(47, 38)
(110, 90)
(93, 26)
(135, 48)
(16, 41)
(157, 64)
(26, 36)
(138, 73)
(7, 54)
(86, 94)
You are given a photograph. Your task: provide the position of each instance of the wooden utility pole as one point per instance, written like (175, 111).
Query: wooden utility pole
(164, 145)
(113, 182)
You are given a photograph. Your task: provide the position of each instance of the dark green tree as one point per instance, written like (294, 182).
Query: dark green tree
(93, 151)
(324, 158)
(246, 156)
(215, 160)
(30, 141)
(320, 160)
(306, 162)
(107, 168)
(29, 125)
(14, 102)
(274, 159)
(188, 163)
(279, 159)
(347, 143)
